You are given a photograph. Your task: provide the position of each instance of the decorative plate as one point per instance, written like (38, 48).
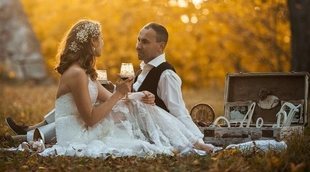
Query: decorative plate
(202, 114)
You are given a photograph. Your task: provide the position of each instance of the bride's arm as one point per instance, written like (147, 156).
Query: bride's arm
(145, 96)
(78, 84)
(103, 93)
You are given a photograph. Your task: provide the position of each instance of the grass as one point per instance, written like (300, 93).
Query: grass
(28, 102)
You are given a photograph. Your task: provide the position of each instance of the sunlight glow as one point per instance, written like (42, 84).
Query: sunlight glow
(185, 18)
(182, 3)
(173, 3)
(256, 8)
(197, 3)
(198, 6)
(205, 11)
(194, 19)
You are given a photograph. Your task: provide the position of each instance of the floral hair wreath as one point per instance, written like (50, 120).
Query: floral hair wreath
(84, 32)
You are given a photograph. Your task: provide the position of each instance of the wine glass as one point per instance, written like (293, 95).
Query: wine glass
(126, 72)
(102, 76)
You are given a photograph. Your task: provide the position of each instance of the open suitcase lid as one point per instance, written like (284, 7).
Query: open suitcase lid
(269, 91)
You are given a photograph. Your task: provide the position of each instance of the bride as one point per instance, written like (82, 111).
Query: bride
(91, 121)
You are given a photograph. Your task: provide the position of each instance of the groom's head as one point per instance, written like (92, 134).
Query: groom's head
(151, 41)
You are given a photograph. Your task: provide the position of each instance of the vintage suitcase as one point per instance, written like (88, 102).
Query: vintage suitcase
(261, 106)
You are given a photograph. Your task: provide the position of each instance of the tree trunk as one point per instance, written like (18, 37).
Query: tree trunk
(300, 29)
(20, 55)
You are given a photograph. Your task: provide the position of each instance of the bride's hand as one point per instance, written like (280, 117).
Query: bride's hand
(125, 86)
(148, 98)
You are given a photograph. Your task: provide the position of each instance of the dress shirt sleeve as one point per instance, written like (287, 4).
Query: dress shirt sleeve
(169, 90)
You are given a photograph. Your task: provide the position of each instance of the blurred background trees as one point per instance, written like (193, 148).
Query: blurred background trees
(208, 38)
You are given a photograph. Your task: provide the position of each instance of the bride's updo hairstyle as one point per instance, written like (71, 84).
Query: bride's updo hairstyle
(76, 46)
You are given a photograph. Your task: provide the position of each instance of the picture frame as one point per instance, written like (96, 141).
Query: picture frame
(236, 111)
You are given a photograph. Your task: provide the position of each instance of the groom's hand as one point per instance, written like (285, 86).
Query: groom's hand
(148, 98)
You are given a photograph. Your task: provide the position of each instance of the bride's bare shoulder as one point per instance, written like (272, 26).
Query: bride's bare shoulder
(74, 71)
(73, 76)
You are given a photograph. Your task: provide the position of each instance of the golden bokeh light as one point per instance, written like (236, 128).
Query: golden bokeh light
(207, 38)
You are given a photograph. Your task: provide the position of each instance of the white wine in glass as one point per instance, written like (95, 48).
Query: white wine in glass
(102, 76)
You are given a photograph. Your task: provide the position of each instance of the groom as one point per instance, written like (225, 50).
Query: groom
(156, 75)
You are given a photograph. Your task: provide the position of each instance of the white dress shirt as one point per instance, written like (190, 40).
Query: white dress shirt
(169, 90)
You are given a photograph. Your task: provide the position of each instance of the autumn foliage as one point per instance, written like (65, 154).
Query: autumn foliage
(208, 38)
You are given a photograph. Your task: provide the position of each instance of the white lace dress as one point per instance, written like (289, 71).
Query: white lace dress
(131, 129)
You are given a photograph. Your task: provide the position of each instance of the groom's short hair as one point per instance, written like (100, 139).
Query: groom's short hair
(161, 31)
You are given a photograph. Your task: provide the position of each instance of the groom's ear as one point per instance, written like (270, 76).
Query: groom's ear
(162, 45)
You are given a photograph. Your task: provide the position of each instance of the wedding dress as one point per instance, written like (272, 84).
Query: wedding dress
(132, 128)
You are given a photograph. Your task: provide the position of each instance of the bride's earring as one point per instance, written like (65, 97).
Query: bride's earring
(94, 49)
